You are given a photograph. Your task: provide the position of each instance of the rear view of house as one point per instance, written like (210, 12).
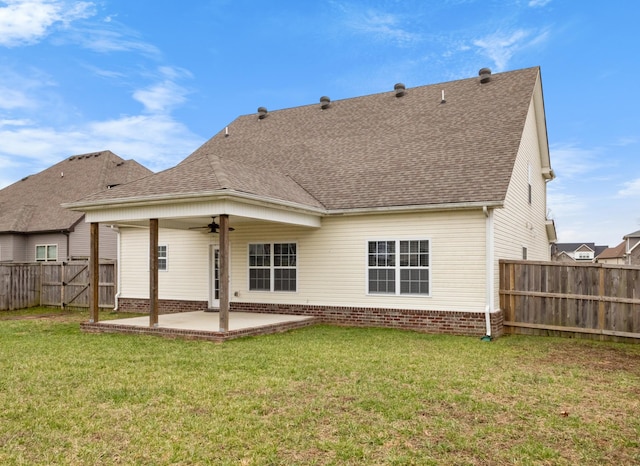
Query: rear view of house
(33, 225)
(390, 209)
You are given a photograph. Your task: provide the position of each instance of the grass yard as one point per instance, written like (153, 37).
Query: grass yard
(320, 395)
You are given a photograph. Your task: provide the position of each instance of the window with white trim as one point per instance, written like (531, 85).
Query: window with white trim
(529, 181)
(273, 267)
(398, 267)
(163, 257)
(46, 252)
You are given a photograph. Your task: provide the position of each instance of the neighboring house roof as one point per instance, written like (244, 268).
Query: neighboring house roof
(616, 252)
(375, 151)
(635, 234)
(33, 203)
(573, 247)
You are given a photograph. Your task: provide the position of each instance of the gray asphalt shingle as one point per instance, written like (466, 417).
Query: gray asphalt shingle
(365, 152)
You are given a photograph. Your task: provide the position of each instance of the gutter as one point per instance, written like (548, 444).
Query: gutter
(490, 271)
(118, 274)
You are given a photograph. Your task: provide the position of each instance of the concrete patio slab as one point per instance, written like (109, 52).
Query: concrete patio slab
(202, 325)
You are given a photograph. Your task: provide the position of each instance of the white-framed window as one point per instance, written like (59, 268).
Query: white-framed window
(273, 267)
(529, 181)
(584, 255)
(163, 257)
(46, 252)
(399, 267)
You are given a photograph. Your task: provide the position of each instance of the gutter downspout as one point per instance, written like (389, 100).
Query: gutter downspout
(118, 262)
(490, 272)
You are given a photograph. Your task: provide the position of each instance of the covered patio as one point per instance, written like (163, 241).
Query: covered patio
(201, 325)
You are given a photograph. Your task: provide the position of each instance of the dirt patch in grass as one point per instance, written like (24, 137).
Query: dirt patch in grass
(595, 357)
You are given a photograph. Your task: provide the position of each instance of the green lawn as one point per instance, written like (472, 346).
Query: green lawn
(320, 395)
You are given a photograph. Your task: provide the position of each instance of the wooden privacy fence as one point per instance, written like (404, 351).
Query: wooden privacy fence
(552, 297)
(58, 284)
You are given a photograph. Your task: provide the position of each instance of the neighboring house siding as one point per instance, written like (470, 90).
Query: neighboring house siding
(613, 260)
(13, 248)
(634, 256)
(6, 247)
(80, 239)
(32, 241)
(332, 261)
(521, 224)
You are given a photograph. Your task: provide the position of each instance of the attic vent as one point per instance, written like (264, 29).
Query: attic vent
(325, 102)
(262, 112)
(400, 89)
(485, 75)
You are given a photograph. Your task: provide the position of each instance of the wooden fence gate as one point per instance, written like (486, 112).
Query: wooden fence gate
(581, 299)
(55, 284)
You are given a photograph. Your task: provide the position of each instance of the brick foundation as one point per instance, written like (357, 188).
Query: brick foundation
(441, 322)
(165, 306)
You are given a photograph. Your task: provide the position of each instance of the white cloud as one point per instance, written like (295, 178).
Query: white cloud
(631, 189)
(570, 161)
(114, 39)
(538, 3)
(163, 96)
(501, 46)
(14, 98)
(15, 122)
(156, 141)
(382, 26)
(24, 22)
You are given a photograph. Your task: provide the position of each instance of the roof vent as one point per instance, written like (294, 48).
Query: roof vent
(262, 112)
(400, 89)
(485, 75)
(325, 102)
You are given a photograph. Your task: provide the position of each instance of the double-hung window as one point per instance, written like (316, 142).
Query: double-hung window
(46, 252)
(273, 267)
(163, 257)
(398, 267)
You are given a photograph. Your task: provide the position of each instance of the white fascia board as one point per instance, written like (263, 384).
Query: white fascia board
(541, 123)
(202, 208)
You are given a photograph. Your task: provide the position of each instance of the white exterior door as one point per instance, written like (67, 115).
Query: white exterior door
(214, 276)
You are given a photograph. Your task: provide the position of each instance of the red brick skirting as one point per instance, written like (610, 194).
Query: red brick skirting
(165, 306)
(445, 322)
(437, 322)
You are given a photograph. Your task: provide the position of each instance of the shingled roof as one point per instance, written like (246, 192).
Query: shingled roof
(33, 203)
(615, 252)
(375, 151)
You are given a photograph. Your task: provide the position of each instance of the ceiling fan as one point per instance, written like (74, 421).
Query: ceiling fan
(213, 226)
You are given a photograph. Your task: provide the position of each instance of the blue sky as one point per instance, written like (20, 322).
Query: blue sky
(154, 79)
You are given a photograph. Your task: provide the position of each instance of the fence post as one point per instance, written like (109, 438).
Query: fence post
(601, 304)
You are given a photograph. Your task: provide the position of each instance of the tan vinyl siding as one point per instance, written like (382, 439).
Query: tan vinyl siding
(332, 261)
(187, 274)
(520, 224)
